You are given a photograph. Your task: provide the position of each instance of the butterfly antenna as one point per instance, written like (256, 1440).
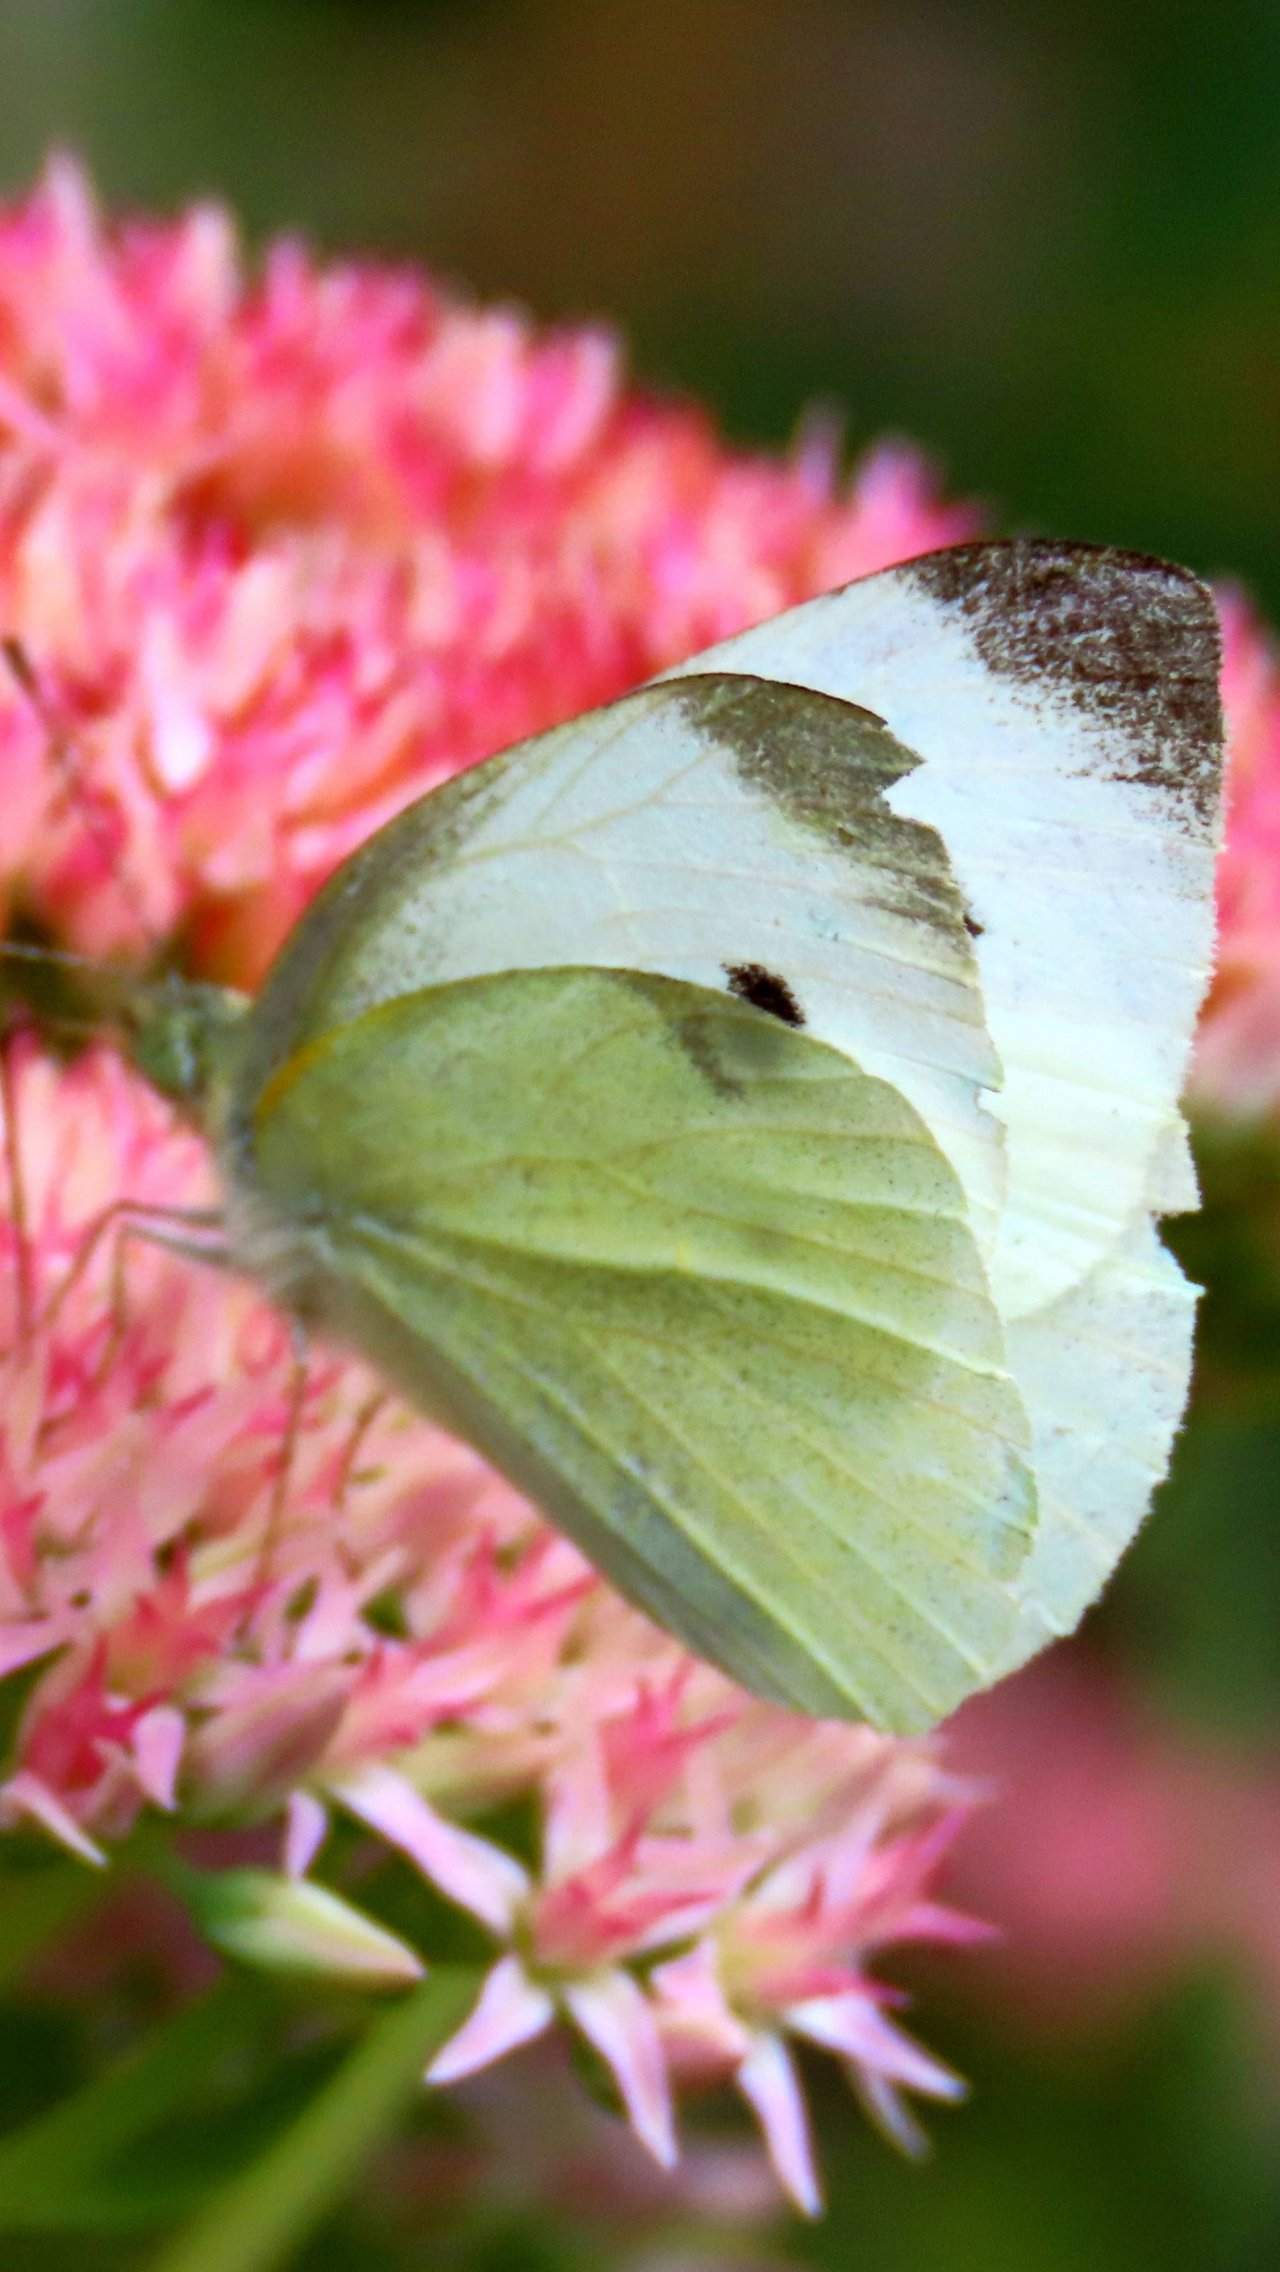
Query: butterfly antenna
(68, 765)
(62, 958)
(113, 993)
(295, 1411)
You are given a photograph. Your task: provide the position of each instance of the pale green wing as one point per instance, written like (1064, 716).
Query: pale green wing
(1064, 701)
(702, 1287)
(726, 832)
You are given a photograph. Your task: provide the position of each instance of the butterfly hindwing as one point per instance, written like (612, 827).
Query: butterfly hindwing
(701, 1285)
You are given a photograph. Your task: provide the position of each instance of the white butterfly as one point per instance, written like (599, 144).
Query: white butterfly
(744, 1112)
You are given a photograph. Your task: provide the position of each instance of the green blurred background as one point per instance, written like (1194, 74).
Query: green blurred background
(1044, 243)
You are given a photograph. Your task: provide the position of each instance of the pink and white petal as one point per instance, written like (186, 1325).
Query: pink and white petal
(853, 2025)
(306, 1826)
(578, 1819)
(889, 2112)
(691, 2001)
(22, 1643)
(24, 1793)
(936, 1921)
(477, 1875)
(181, 740)
(155, 1751)
(768, 2081)
(511, 2009)
(617, 2018)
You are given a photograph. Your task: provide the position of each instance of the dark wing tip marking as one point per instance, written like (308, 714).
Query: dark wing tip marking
(765, 990)
(1131, 641)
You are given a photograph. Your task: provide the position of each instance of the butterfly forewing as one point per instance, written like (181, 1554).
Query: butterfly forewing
(1064, 701)
(726, 831)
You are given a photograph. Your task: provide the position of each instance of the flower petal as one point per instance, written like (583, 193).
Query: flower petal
(287, 1924)
(156, 1749)
(305, 1829)
(510, 2010)
(768, 2081)
(855, 2026)
(26, 1794)
(889, 2112)
(617, 2018)
(692, 2002)
(471, 1871)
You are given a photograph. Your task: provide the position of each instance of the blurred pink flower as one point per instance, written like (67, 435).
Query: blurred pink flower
(281, 550)
(1237, 1062)
(1122, 1852)
(1080, 1857)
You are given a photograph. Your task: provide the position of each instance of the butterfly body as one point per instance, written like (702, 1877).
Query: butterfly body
(745, 1120)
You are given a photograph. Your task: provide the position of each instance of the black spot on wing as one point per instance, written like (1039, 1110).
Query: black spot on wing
(975, 929)
(1131, 642)
(699, 1042)
(764, 989)
(720, 1034)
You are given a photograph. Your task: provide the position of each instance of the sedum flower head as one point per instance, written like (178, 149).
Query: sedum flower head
(281, 548)
(287, 548)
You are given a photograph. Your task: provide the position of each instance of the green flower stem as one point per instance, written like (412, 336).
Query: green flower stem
(257, 2221)
(42, 1901)
(37, 1906)
(43, 2164)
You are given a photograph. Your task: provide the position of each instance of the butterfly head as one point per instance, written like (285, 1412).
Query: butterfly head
(181, 1035)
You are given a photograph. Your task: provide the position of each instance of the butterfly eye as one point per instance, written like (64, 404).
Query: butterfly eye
(765, 990)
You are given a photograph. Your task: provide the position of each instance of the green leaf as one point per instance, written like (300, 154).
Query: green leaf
(258, 2220)
(42, 2164)
(38, 1902)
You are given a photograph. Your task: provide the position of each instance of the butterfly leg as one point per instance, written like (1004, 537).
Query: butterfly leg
(172, 1228)
(360, 1427)
(140, 1219)
(296, 1399)
(143, 1219)
(69, 768)
(151, 1221)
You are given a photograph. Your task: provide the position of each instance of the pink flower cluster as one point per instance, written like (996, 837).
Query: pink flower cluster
(285, 550)
(281, 550)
